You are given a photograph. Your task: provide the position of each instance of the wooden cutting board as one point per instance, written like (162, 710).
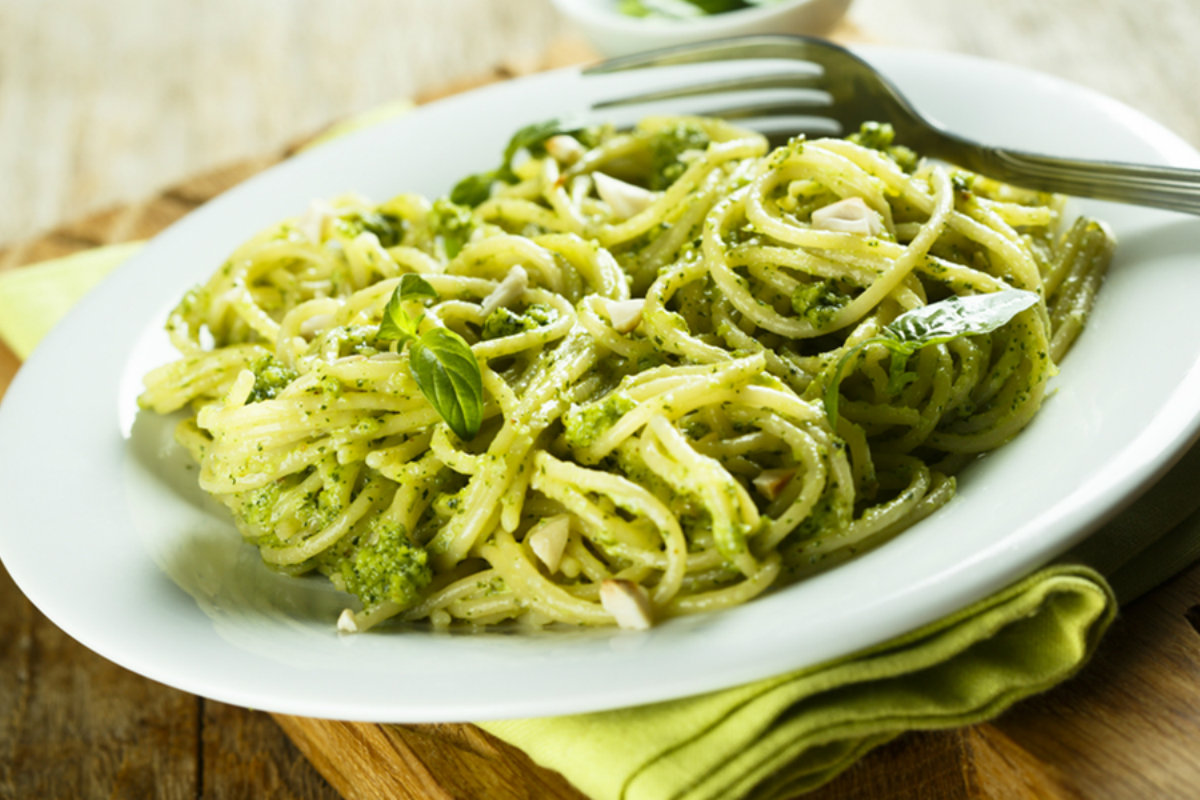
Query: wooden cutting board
(1127, 727)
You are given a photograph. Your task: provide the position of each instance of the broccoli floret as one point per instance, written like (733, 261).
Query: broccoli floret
(503, 322)
(451, 223)
(387, 566)
(666, 147)
(271, 376)
(585, 424)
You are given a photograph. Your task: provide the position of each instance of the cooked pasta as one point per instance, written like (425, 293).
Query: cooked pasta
(627, 375)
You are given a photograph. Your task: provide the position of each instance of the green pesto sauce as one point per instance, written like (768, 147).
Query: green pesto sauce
(271, 376)
(387, 566)
(503, 322)
(359, 340)
(585, 424)
(666, 148)
(817, 302)
(194, 302)
(828, 516)
(881, 136)
(253, 511)
(452, 224)
(388, 228)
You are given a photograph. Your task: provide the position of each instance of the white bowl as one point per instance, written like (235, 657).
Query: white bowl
(614, 33)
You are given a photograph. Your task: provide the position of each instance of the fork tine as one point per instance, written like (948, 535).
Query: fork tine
(779, 122)
(783, 110)
(816, 77)
(858, 92)
(803, 96)
(782, 46)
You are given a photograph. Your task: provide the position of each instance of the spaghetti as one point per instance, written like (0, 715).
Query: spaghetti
(688, 385)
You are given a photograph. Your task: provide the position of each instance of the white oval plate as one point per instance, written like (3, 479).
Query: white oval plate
(101, 525)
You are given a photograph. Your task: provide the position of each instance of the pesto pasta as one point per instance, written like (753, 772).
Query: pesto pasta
(627, 375)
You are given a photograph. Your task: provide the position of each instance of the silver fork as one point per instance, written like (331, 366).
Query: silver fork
(851, 92)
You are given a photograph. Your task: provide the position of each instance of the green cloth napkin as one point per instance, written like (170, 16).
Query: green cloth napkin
(34, 299)
(788, 734)
(791, 733)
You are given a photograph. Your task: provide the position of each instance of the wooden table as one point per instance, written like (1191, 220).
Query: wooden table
(108, 103)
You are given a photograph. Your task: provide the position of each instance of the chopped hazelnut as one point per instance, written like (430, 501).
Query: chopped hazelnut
(623, 198)
(850, 215)
(346, 623)
(564, 149)
(627, 602)
(548, 540)
(508, 290)
(771, 482)
(625, 315)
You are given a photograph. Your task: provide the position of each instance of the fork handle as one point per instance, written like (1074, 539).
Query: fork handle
(1173, 188)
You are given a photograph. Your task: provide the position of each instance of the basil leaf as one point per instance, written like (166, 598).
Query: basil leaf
(957, 316)
(441, 362)
(397, 324)
(936, 323)
(413, 287)
(474, 189)
(448, 375)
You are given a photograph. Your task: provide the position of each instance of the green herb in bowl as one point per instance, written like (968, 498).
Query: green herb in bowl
(684, 9)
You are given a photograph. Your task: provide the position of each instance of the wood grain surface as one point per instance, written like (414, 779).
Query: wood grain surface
(73, 725)
(104, 103)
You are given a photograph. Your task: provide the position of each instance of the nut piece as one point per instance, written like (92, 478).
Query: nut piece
(850, 215)
(623, 198)
(548, 539)
(513, 286)
(564, 149)
(346, 623)
(625, 315)
(627, 602)
(771, 482)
